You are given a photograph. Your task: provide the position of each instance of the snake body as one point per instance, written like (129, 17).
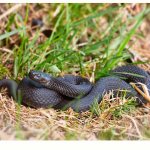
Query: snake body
(43, 90)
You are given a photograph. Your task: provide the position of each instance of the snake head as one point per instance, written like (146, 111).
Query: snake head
(39, 76)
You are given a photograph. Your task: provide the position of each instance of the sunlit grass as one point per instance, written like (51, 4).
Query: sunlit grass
(86, 39)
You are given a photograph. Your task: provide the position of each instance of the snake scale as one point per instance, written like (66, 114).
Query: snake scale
(40, 89)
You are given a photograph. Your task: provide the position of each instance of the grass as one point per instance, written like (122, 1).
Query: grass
(57, 53)
(88, 43)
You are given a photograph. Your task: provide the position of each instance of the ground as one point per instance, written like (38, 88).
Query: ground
(80, 39)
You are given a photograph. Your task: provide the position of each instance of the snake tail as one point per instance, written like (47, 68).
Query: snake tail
(11, 85)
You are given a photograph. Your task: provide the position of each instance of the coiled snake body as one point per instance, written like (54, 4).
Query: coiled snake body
(42, 90)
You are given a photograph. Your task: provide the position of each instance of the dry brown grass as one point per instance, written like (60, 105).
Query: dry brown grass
(20, 122)
(27, 123)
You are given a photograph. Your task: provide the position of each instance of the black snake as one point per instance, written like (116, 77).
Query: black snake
(42, 90)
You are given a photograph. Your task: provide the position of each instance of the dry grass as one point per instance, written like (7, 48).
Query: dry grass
(20, 122)
(113, 120)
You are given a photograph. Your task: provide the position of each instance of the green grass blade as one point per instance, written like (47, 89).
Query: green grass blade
(8, 34)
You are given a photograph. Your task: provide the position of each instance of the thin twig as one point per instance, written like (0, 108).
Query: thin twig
(12, 9)
(147, 97)
(6, 50)
(135, 124)
(92, 79)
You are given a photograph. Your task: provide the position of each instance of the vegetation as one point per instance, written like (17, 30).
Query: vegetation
(84, 39)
